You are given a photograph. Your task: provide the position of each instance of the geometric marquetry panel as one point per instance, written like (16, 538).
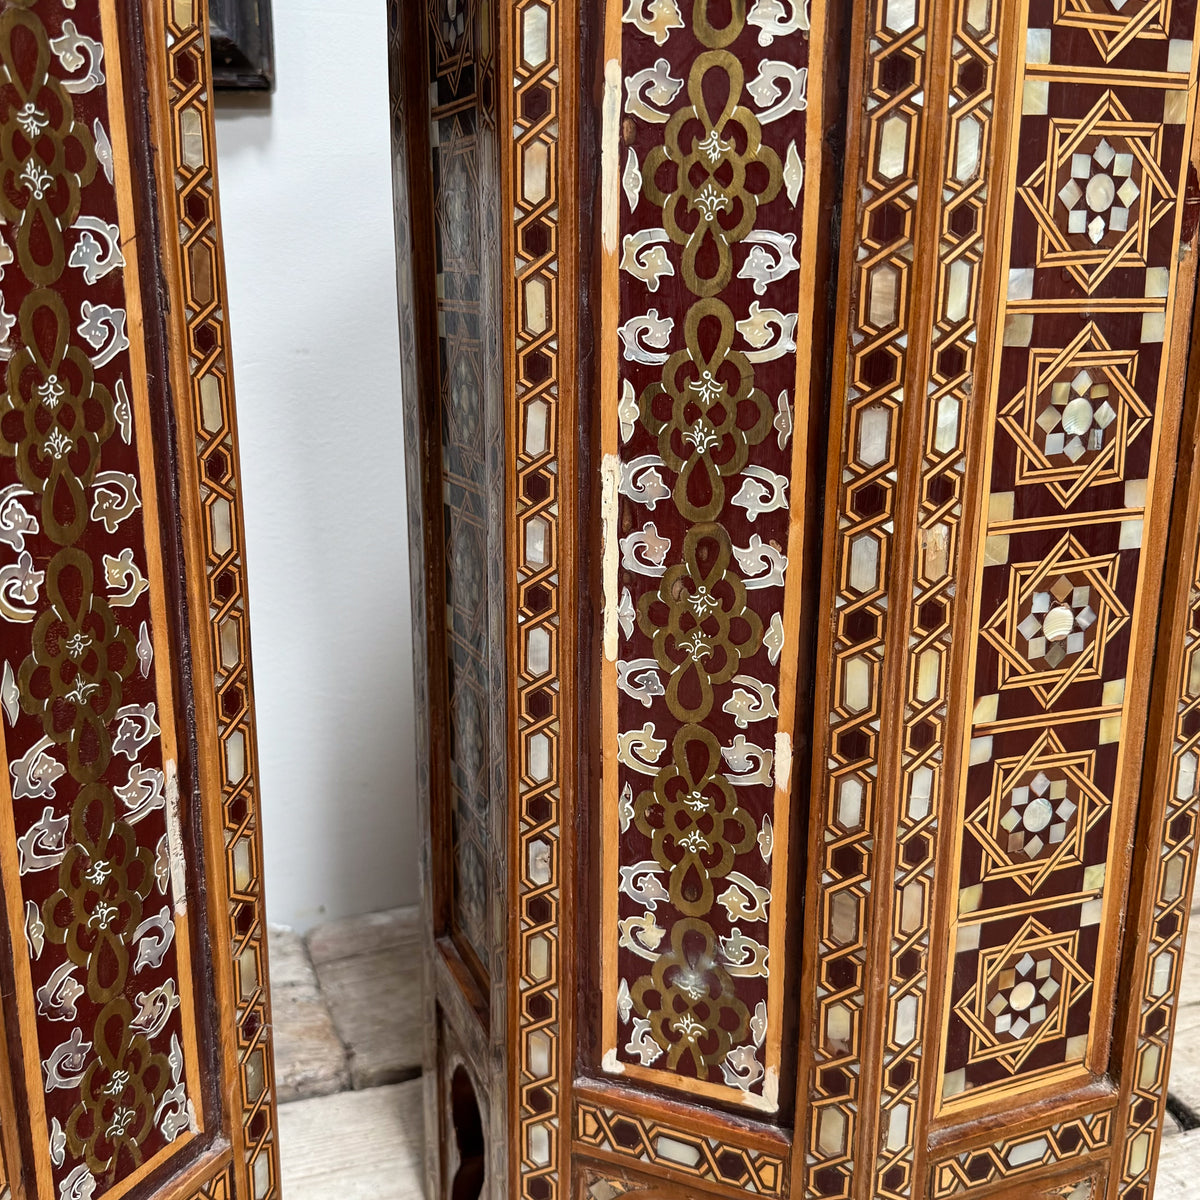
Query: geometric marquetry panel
(1077, 399)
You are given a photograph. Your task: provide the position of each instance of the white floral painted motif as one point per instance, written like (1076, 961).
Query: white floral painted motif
(124, 579)
(94, 259)
(145, 650)
(643, 935)
(749, 765)
(75, 50)
(741, 1068)
(774, 638)
(640, 679)
(658, 21)
(642, 1043)
(102, 324)
(744, 900)
(35, 772)
(153, 937)
(142, 793)
(654, 85)
(793, 173)
(32, 120)
(651, 329)
(640, 749)
(770, 258)
(35, 930)
(43, 844)
(778, 18)
(625, 808)
(783, 420)
(115, 499)
(645, 552)
(67, 1064)
(641, 882)
(631, 179)
(58, 445)
(746, 957)
(642, 482)
(711, 203)
(771, 97)
(137, 726)
(154, 1009)
(761, 564)
(644, 256)
(763, 491)
(19, 588)
(771, 333)
(751, 701)
(36, 179)
(15, 519)
(57, 996)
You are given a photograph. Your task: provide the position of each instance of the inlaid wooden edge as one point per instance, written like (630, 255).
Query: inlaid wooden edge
(202, 384)
(932, 537)
(535, 40)
(844, 859)
(1165, 869)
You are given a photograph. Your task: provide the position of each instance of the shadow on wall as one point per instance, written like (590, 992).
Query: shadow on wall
(306, 203)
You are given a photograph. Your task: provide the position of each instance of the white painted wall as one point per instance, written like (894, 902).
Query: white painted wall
(306, 201)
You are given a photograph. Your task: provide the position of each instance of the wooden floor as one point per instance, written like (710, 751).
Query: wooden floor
(348, 1050)
(346, 1020)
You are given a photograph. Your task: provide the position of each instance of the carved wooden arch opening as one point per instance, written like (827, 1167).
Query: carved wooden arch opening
(823, 376)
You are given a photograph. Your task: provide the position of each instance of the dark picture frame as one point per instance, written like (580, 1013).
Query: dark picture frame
(243, 51)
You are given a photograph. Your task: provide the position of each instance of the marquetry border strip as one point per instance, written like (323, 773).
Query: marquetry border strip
(1171, 875)
(1018, 1156)
(201, 286)
(944, 384)
(659, 1144)
(873, 352)
(537, 420)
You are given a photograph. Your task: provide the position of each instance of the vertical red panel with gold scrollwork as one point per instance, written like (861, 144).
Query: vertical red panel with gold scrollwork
(131, 837)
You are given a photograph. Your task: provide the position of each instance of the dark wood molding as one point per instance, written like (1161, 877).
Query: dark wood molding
(243, 48)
